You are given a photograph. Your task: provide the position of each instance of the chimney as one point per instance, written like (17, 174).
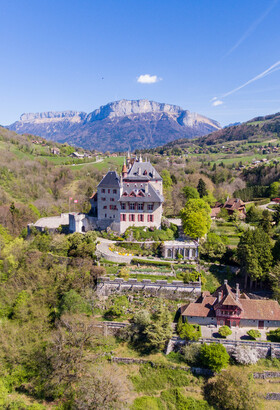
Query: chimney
(237, 291)
(219, 296)
(225, 282)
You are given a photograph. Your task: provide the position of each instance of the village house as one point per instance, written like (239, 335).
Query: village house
(231, 205)
(227, 306)
(55, 151)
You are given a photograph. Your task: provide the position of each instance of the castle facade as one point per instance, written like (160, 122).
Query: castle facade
(133, 198)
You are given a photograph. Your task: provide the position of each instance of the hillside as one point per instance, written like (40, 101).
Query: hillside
(118, 126)
(255, 131)
(39, 182)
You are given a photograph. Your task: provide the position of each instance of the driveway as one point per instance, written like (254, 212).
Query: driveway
(267, 205)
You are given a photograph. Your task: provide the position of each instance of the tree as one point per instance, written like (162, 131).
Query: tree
(191, 353)
(190, 193)
(246, 355)
(166, 179)
(214, 356)
(276, 214)
(275, 280)
(102, 387)
(67, 349)
(274, 190)
(254, 255)
(265, 222)
(188, 331)
(201, 188)
(253, 214)
(254, 334)
(72, 302)
(196, 218)
(225, 331)
(213, 247)
(14, 215)
(159, 331)
(230, 390)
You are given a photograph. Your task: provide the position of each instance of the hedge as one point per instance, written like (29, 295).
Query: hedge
(135, 261)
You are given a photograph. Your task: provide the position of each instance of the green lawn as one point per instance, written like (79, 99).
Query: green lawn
(229, 230)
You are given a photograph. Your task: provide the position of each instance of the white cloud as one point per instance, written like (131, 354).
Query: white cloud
(148, 79)
(216, 102)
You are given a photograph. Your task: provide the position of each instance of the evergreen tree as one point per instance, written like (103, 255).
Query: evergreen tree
(254, 255)
(159, 331)
(201, 188)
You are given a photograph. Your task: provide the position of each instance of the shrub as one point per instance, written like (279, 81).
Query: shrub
(225, 331)
(214, 356)
(274, 335)
(230, 390)
(191, 354)
(72, 302)
(113, 312)
(254, 334)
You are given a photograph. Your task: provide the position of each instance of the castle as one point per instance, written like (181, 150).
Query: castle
(133, 198)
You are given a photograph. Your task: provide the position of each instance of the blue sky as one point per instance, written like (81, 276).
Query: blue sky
(77, 55)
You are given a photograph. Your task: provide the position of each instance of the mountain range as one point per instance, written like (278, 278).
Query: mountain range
(117, 126)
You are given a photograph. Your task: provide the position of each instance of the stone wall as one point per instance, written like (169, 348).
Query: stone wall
(173, 290)
(264, 349)
(194, 370)
(266, 375)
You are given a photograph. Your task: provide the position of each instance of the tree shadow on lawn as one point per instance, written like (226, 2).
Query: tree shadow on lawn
(223, 272)
(247, 338)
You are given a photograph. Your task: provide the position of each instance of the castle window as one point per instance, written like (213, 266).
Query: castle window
(132, 217)
(103, 191)
(150, 218)
(123, 217)
(123, 206)
(140, 207)
(132, 206)
(112, 199)
(105, 215)
(103, 199)
(150, 207)
(114, 191)
(105, 207)
(140, 218)
(108, 191)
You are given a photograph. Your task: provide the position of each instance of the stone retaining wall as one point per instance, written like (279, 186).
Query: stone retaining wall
(173, 290)
(194, 370)
(272, 396)
(266, 375)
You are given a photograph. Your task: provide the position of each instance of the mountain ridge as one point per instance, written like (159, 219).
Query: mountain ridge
(117, 126)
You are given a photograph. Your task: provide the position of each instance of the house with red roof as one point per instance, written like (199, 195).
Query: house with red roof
(227, 306)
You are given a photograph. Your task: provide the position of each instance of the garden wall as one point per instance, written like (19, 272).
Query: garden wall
(174, 290)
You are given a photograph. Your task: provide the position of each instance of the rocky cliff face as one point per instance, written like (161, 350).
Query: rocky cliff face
(118, 126)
